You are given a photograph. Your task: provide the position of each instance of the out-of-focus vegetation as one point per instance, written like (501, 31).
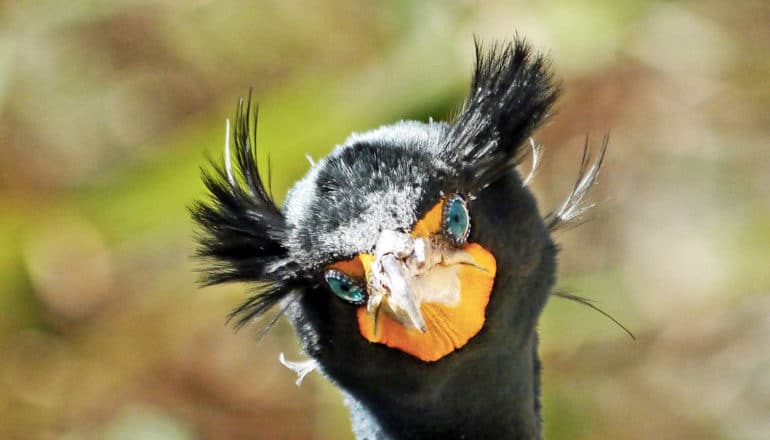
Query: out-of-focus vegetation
(107, 110)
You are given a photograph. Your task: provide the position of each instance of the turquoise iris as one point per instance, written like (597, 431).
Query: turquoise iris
(345, 288)
(456, 220)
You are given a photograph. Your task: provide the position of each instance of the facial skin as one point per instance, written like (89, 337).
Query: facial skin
(427, 290)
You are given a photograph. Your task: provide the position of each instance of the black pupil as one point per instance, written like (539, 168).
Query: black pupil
(345, 287)
(456, 218)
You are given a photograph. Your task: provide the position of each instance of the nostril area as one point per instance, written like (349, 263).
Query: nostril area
(396, 243)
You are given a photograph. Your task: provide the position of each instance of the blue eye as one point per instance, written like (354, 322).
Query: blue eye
(345, 287)
(456, 221)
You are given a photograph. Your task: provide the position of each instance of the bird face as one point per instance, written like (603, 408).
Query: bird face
(384, 214)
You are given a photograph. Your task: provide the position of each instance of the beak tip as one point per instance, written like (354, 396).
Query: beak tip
(419, 323)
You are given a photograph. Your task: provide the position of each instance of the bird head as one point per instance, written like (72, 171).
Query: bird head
(410, 249)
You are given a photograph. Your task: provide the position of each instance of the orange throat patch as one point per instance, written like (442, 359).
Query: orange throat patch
(449, 324)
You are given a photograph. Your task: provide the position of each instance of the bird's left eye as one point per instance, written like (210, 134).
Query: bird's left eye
(345, 287)
(456, 221)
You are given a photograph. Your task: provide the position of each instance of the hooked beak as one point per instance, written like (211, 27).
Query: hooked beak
(397, 273)
(392, 278)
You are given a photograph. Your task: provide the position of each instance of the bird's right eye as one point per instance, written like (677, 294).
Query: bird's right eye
(346, 287)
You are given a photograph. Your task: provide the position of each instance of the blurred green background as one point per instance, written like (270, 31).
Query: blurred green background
(107, 110)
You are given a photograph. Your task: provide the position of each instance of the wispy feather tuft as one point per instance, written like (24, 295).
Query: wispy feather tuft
(242, 230)
(537, 156)
(511, 94)
(572, 211)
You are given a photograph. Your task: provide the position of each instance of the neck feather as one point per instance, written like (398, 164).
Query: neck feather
(491, 397)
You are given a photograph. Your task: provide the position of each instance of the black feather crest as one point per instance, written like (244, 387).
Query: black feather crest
(511, 94)
(242, 230)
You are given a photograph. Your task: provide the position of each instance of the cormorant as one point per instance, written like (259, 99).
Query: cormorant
(412, 261)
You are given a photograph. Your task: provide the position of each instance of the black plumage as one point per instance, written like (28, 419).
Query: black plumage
(386, 180)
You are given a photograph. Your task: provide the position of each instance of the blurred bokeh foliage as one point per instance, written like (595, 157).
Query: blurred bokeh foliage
(108, 109)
